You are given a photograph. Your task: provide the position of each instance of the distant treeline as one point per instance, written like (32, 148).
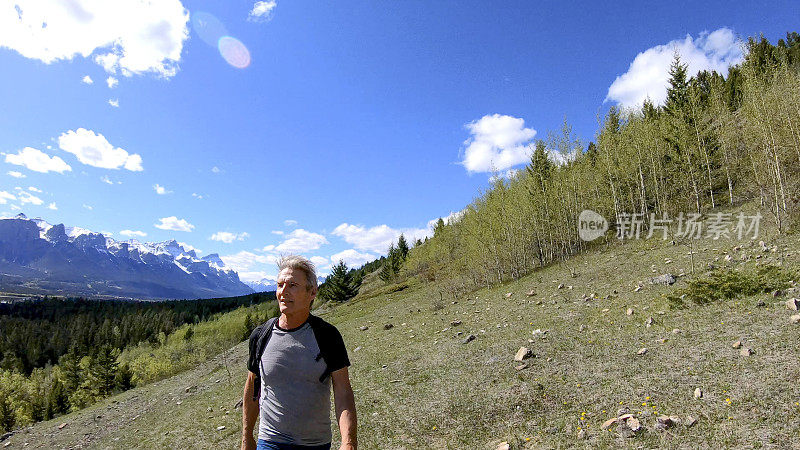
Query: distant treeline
(716, 141)
(38, 332)
(61, 355)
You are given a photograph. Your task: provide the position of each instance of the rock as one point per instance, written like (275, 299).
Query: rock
(795, 318)
(363, 328)
(509, 294)
(745, 351)
(221, 427)
(523, 353)
(521, 366)
(777, 293)
(561, 286)
(6, 436)
(359, 347)
(63, 424)
(469, 339)
(190, 389)
(634, 424)
(605, 310)
(642, 351)
(637, 289)
(761, 303)
(582, 434)
(539, 332)
(793, 304)
(531, 293)
(388, 326)
(676, 331)
(455, 323)
(582, 328)
(667, 279)
(649, 322)
(624, 430)
(609, 423)
(737, 344)
(728, 257)
(238, 404)
(629, 311)
(663, 422)
(690, 421)
(698, 393)
(504, 446)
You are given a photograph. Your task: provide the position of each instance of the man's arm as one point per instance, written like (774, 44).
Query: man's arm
(345, 408)
(249, 413)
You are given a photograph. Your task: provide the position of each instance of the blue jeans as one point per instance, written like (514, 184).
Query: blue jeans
(264, 445)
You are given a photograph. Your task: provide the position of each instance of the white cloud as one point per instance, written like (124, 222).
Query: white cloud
(6, 196)
(130, 36)
(227, 237)
(15, 208)
(507, 175)
(89, 207)
(320, 262)
(94, 150)
(278, 232)
(243, 261)
(172, 223)
(106, 180)
(112, 82)
(113, 102)
(300, 241)
(498, 142)
(256, 276)
(216, 169)
(132, 233)
(52, 206)
(262, 11)
(26, 197)
(15, 174)
(648, 74)
(87, 80)
(197, 196)
(289, 222)
(379, 238)
(161, 190)
(33, 189)
(38, 161)
(353, 258)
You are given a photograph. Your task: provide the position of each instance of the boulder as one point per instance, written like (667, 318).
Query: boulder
(523, 353)
(737, 344)
(666, 279)
(746, 351)
(698, 393)
(642, 351)
(793, 304)
(795, 318)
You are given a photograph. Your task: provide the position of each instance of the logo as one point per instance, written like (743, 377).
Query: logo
(591, 225)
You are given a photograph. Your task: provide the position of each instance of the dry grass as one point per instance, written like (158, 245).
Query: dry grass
(417, 385)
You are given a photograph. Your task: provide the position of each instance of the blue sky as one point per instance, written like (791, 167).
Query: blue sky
(331, 127)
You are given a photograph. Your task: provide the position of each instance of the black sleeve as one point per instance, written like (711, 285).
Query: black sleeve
(252, 361)
(339, 357)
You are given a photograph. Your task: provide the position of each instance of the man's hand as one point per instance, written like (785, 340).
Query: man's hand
(249, 413)
(345, 408)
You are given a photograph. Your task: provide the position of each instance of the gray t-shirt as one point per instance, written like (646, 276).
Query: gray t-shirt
(295, 405)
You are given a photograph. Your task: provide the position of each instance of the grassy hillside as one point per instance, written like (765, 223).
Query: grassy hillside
(419, 386)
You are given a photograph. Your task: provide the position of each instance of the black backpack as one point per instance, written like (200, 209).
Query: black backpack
(329, 340)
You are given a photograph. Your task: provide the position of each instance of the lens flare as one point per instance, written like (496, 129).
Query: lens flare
(208, 27)
(234, 52)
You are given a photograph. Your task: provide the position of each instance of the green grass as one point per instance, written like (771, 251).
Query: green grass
(417, 386)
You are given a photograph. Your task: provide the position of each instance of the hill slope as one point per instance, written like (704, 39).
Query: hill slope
(419, 386)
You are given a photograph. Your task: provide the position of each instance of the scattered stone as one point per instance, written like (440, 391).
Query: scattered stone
(737, 344)
(609, 423)
(629, 311)
(777, 293)
(793, 304)
(523, 353)
(455, 323)
(637, 289)
(221, 427)
(676, 331)
(178, 402)
(582, 434)
(363, 328)
(504, 446)
(761, 303)
(6, 436)
(238, 404)
(190, 389)
(634, 424)
(690, 421)
(605, 310)
(359, 348)
(531, 293)
(63, 424)
(210, 409)
(663, 422)
(582, 328)
(728, 257)
(388, 326)
(667, 279)
(649, 322)
(509, 294)
(469, 339)
(698, 393)
(795, 318)
(539, 332)
(561, 286)
(521, 366)
(642, 351)
(745, 351)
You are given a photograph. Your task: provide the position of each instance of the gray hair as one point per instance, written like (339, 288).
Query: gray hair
(297, 262)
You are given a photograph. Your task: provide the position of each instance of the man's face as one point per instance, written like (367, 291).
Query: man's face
(293, 297)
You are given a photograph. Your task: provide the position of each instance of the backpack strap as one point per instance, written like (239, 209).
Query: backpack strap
(258, 342)
(331, 346)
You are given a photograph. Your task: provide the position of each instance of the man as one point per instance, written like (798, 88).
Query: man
(288, 386)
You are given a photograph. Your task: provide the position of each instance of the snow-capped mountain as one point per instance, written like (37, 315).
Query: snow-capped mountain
(40, 258)
(268, 284)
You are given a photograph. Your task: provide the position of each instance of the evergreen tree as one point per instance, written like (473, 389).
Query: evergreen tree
(124, 377)
(339, 286)
(187, 336)
(391, 266)
(103, 371)
(7, 416)
(402, 247)
(57, 400)
(678, 90)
